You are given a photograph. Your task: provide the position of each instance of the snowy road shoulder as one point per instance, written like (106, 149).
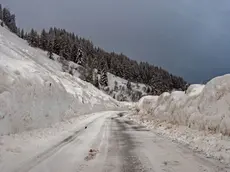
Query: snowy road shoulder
(210, 144)
(110, 142)
(18, 148)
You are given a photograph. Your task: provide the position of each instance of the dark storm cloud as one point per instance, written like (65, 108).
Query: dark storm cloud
(188, 37)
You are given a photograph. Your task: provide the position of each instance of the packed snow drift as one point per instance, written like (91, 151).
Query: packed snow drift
(202, 107)
(35, 92)
(198, 117)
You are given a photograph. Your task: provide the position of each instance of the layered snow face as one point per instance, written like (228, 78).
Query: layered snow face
(202, 107)
(34, 92)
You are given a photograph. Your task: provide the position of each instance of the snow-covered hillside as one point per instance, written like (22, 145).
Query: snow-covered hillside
(118, 89)
(35, 92)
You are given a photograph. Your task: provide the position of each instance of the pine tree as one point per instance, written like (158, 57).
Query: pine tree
(6, 16)
(51, 33)
(96, 83)
(1, 12)
(33, 38)
(50, 49)
(12, 24)
(89, 74)
(115, 86)
(148, 90)
(19, 32)
(26, 36)
(137, 85)
(95, 78)
(67, 47)
(128, 85)
(9, 20)
(57, 47)
(80, 58)
(103, 78)
(74, 53)
(43, 40)
(73, 37)
(22, 34)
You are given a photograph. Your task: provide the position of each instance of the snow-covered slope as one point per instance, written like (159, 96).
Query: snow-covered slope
(202, 107)
(34, 92)
(118, 89)
(121, 82)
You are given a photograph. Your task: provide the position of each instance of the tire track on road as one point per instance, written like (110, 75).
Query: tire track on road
(51, 151)
(113, 162)
(130, 159)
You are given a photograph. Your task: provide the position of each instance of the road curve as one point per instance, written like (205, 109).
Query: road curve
(112, 143)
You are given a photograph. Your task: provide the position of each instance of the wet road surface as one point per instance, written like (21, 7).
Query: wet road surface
(112, 143)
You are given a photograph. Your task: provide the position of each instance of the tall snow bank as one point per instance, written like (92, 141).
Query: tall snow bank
(203, 107)
(34, 92)
(145, 103)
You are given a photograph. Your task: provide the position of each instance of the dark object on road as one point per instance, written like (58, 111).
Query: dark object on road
(85, 127)
(112, 118)
(91, 155)
(120, 114)
(165, 163)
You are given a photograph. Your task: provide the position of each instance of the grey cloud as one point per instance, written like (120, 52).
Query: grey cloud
(187, 37)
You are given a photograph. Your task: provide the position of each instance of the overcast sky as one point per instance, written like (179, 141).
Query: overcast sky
(190, 38)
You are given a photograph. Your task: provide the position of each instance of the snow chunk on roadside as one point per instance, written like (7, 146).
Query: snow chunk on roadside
(195, 89)
(146, 102)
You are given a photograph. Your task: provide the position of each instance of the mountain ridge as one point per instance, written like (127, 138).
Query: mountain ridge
(83, 52)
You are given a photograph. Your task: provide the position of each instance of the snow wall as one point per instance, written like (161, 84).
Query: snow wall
(35, 92)
(202, 107)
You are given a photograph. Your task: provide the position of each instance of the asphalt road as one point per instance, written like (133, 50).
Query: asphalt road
(112, 143)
